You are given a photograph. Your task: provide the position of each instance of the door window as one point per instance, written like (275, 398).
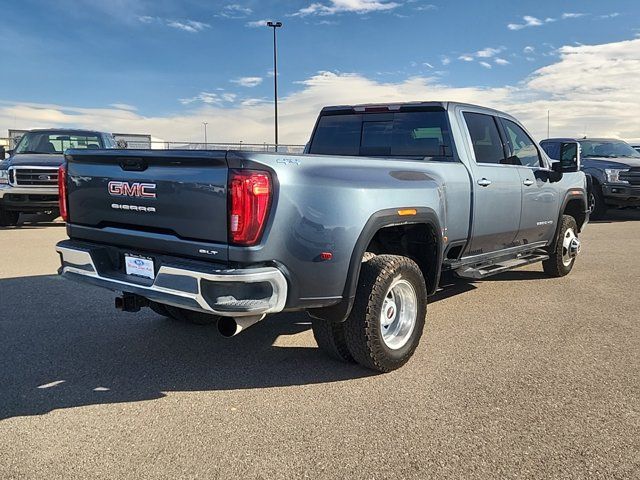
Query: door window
(524, 149)
(487, 144)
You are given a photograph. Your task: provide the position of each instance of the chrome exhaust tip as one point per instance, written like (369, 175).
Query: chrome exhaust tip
(231, 326)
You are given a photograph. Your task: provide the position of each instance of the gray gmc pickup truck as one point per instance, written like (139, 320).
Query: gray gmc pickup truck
(357, 231)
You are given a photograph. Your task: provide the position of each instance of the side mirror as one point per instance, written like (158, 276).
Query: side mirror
(556, 171)
(570, 156)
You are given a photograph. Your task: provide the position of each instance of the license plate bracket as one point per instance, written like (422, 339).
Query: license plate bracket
(139, 266)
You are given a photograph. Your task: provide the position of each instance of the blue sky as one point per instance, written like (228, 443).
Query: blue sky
(170, 57)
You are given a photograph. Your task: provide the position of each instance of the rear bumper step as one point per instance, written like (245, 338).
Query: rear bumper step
(232, 293)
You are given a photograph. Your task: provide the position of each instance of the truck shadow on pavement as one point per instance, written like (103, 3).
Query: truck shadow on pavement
(64, 345)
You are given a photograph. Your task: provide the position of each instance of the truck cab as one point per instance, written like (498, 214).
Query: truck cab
(29, 176)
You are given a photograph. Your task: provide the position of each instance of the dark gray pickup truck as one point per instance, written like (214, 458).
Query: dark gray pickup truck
(357, 231)
(612, 165)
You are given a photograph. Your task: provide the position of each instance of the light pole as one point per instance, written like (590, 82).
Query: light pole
(275, 25)
(205, 134)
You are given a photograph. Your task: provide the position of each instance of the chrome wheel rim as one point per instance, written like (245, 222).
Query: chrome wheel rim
(570, 247)
(398, 314)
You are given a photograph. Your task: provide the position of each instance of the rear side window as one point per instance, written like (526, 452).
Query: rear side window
(523, 148)
(487, 144)
(337, 135)
(401, 134)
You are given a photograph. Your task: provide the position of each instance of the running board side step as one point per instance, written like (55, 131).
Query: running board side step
(478, 272)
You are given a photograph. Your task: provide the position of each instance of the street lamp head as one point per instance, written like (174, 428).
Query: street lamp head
(274, 24)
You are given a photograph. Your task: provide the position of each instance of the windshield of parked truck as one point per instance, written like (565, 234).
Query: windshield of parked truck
(607, 148)
(57, 142)
(403, 134)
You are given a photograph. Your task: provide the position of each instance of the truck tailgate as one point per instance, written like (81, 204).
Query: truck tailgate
(180, 194)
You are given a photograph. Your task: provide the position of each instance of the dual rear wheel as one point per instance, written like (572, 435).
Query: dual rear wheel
(386, 322)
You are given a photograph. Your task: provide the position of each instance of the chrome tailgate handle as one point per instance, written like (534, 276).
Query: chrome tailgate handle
(528, 182)
(483, 182)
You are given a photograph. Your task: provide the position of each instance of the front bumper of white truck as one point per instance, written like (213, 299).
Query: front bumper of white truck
(192, 285)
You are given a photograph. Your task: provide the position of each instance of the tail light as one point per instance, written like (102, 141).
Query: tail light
(62, 191)
(250, 197)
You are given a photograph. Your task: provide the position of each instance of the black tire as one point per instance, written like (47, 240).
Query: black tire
(363, 331)
(555, 266)
(8, 218)
(183, 315)
(596, 203)
(330, 338)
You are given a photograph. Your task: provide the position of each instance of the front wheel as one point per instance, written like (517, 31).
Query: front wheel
(385, 325)
(8, 218)
(597, 207)
(563, 255)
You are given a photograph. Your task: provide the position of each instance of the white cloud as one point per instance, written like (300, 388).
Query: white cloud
(528, 49)
(248, 81)
(610, 15)
(123, 106)
(424, 8)
(590, 87)
(488, 52)
(235, 10)
(483, 56)
(445, 60)
(572, 15)
(257, 23)
(346, 6)
(210, 98)
(191, 26)
(529, 21)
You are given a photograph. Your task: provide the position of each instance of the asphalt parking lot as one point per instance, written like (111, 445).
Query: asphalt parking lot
(519, 376)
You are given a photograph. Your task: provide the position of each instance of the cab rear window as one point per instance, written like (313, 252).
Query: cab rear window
(395, 134)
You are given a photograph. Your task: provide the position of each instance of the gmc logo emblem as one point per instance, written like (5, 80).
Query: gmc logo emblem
(136, 189)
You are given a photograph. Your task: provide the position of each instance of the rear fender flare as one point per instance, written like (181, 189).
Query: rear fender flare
(381, 219)
(567, 198)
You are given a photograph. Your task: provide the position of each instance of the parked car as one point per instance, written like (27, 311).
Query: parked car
(29, 177)
(636, 148)
(614, 168)
(357, 231)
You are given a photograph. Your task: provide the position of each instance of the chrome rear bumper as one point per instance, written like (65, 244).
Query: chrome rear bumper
(232, 293)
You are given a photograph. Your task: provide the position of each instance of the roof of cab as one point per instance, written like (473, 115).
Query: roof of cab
(66, 130)
(395, 106)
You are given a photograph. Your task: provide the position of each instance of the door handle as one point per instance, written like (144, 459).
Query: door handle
(483, 182)
(528, 182)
